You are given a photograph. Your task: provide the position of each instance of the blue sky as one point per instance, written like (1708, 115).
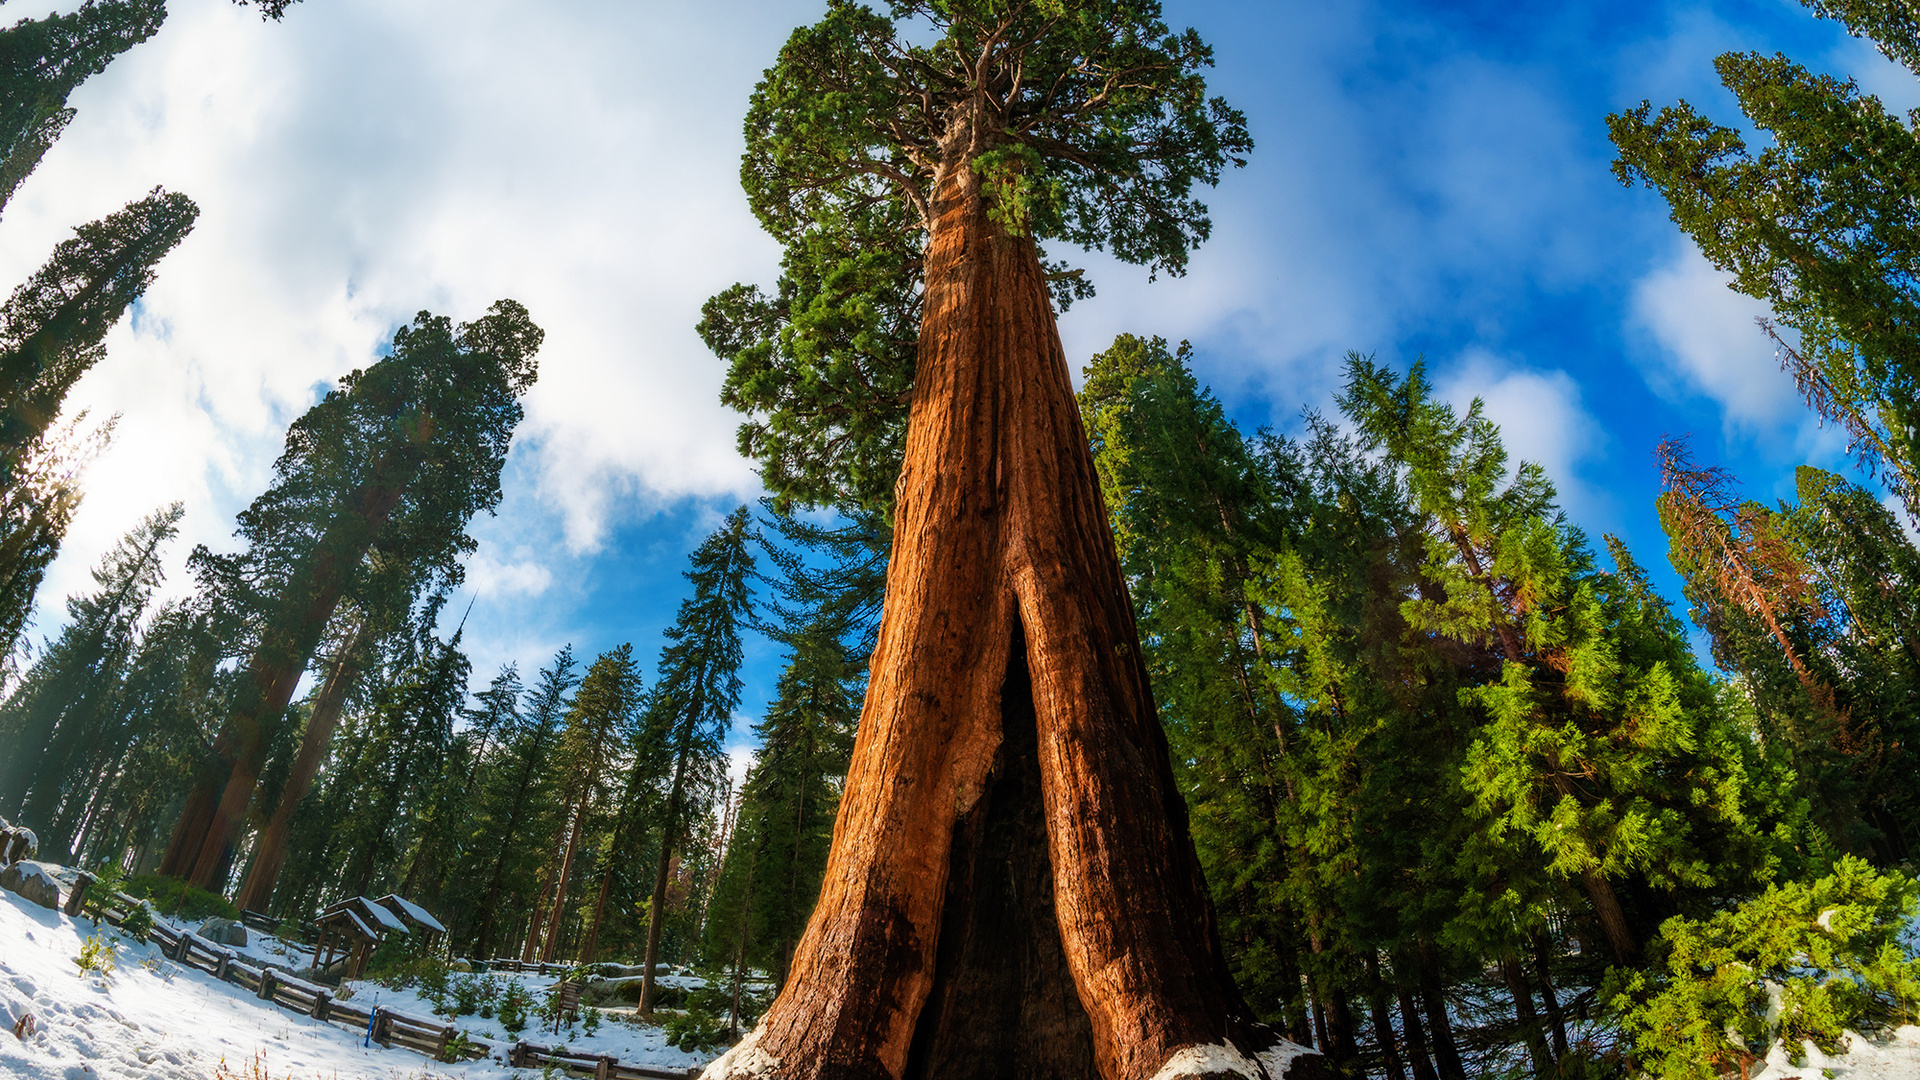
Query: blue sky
(1429, 180)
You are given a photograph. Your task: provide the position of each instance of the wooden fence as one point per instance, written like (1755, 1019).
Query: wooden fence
(384, 1026)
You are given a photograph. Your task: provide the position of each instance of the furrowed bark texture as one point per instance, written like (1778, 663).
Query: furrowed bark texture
(980, 873)
(256, 891)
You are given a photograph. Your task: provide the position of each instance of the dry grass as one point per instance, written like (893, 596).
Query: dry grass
(255, 1069)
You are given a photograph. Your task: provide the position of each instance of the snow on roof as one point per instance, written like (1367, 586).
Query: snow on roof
(387, 918)
(413, 911)
(364, 928)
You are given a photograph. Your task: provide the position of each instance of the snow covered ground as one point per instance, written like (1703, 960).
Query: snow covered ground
(153, 1018)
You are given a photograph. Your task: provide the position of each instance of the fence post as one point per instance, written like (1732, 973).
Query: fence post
(183, 946)
(604, 1070)
(446, 1036)
(220, 969)
(517, 1057)
(266, 984)
(78, 896)
(322, 1006)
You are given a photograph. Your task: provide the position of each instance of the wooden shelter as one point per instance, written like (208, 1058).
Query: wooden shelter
(352, 927)
(416, 918)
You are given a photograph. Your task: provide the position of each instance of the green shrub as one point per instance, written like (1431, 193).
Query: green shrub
(138, 923)
(590, 1020)
(515, 1004)
(107, 880)
(97, 956)
(1803, 961)
(459, 1048)
(165, 892)
(697, 1030)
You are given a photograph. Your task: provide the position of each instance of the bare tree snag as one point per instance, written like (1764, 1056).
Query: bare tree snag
(1012, 890)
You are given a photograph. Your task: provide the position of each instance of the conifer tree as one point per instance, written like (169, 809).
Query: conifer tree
(1007, 652)
(43, 60)
(514, 805)
(1809, 604)
(779, 846)
(63, 706)
(393, 463)
(599, 730)
(696, 688)
(1818, 223)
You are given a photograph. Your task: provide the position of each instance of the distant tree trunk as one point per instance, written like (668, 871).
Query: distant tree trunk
(1382, 1021)
(276, 666)
(1543, 963)
(554, 919)
(1417, 1056)
(483, 937)
(1524, 1013)
(270, 854)
(1008, 717)
(656, 906)
(1439, 1027)
(537, 922)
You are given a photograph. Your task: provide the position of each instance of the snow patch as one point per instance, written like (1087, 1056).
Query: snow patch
(1208, 1061)
(1279, 1057)
(1826, 919)
(745, 1059)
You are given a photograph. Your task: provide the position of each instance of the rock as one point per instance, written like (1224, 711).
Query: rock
(223, 932)
(461, 966)
(19, 843)
(33, 881)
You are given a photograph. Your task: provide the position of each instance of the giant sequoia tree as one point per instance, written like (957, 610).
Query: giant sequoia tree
(379, 479)
(1011, 888)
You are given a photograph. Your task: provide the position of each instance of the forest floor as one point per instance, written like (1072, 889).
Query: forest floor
(153, 1018)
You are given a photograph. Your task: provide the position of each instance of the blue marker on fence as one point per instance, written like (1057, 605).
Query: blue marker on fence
(373, 1017)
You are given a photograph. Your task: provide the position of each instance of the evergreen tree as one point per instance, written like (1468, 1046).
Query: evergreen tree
(35, 510)
(517, 803)
(947, 140)
(1818, 223)
(63, 705)
(778, 849)
(600, 728)
(43, 60)
(696, 688)
(393, 463)
(1809, 604)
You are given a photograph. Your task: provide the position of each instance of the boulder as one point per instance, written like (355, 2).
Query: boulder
(19, 843)
(33, 881)
(223, 932)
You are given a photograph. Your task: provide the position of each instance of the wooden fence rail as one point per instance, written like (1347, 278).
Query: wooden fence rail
(384, 1026)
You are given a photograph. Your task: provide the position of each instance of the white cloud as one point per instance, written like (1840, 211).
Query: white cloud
(1542, 419)
(1709, 343)
(364, 160)
(489, 578)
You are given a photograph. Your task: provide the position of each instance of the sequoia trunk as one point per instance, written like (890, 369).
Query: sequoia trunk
(271, 854)
(1010, 848)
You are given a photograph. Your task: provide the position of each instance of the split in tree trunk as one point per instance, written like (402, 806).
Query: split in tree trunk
(1002, 991)
(1000, 530)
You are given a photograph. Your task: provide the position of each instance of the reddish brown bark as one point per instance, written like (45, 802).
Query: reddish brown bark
(978, 872)
(278, 663)
(271, 852)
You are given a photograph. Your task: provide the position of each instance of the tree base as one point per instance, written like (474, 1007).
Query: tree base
(1003, 1005)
